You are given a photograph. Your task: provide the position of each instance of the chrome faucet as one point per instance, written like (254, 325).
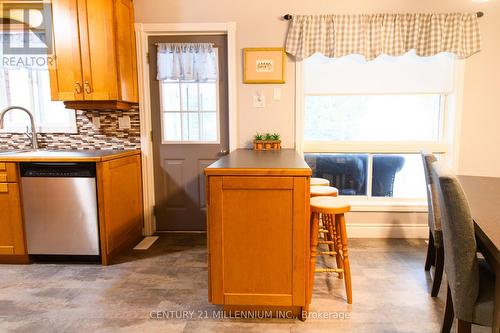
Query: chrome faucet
(34, 141)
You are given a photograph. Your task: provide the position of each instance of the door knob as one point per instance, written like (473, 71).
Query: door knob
(223, 152)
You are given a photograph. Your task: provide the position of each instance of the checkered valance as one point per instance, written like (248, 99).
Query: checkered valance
(375, 34)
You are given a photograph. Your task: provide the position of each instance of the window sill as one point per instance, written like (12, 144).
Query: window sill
(407, 206)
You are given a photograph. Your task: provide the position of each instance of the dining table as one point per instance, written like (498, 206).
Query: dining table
(483, 195)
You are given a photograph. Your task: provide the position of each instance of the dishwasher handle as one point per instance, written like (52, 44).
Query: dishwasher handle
(58, 169)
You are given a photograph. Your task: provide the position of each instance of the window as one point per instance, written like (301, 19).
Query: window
(365, 123)
(190, 111)
(29, 87)
(190, 107)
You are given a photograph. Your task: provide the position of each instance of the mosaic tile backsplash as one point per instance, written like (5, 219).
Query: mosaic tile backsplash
(107, 136)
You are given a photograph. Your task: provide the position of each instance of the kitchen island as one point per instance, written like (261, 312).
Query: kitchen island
(118, 191)
(258, 231)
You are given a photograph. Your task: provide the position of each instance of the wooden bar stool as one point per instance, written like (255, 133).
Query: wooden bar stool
(327, 230)
(320, 182)
(332, 211)
(318, 191)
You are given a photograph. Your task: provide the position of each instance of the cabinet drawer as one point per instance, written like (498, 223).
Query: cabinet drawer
(8, 172)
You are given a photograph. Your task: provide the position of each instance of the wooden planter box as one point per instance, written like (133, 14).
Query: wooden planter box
(267, 144)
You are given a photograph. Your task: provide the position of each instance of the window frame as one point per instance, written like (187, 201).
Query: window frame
(447, 145)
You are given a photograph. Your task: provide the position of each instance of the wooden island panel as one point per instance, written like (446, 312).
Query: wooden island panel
(258, 231)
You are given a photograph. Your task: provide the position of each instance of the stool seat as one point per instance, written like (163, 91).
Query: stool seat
(319, 182)
(329, 205)
(317, 191)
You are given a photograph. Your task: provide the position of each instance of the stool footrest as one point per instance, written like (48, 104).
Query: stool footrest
(327, 253)
(329, 270)
(325, 242)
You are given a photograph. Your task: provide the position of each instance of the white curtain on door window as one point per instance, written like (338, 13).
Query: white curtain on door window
(186, 61)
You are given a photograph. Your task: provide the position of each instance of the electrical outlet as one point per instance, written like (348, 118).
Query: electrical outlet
(96, 121)
(124, 122)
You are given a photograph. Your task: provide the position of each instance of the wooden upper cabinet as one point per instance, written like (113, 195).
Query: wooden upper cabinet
(66, 80)
(96, 64)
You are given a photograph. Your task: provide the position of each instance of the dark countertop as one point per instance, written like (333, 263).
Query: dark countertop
(42, 155)
(254, 162)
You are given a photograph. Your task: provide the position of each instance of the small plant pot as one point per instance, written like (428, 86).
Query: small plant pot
(257, 145)
(267, 145)
(277, 145)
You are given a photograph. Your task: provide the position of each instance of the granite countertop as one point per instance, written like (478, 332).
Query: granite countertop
(42, 155)
(260, 162)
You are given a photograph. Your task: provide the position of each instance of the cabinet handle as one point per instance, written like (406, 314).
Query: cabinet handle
(78, 87)
(4, 188)
(87, 87)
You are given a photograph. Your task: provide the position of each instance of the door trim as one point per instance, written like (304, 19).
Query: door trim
(143, 31)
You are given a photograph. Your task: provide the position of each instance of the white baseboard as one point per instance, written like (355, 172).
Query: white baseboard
(387, 230)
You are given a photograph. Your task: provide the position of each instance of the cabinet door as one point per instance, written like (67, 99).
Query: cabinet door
(126, 51)
(11, 223)
(119, 193)
(97, 42)
(66, 73)
(258, 240)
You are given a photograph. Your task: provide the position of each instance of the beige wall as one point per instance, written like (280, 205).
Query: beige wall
(259, 25)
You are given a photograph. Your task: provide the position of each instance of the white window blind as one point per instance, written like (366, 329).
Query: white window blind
(407, 74)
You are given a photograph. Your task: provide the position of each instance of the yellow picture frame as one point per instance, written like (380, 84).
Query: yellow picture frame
(264, 65)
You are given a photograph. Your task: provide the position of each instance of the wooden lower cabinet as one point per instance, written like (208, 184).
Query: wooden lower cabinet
(258, 241)
(12, 243)
(119, 195)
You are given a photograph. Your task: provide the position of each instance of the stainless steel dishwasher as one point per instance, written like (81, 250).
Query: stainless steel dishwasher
(60, 208)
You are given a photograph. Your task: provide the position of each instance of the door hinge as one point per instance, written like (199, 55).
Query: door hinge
(154, 210)
(151, 136)
(147, 57)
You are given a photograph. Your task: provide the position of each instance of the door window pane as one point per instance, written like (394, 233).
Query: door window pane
(170, 96)
(208, 96)
(209, 129)
(190, 112)
(346, 172)
(398, 175)
(172, 126)
(190, 126)
(372, 117)
(189, 93)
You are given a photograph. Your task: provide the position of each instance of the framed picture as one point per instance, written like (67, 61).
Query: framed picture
(264, 65)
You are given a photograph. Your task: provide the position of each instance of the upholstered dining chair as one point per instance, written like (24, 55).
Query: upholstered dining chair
(471, 282)
(435, 253)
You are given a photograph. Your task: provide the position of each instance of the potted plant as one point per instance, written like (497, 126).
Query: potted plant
(276, 141)
(257, 142)
(267, 141)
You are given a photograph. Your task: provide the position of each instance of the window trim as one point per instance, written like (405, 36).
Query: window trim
(448, 145)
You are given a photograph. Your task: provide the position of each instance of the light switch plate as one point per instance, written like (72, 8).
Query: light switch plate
(277, 94)
(96, 121)
(259, 101)
(124, 122)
